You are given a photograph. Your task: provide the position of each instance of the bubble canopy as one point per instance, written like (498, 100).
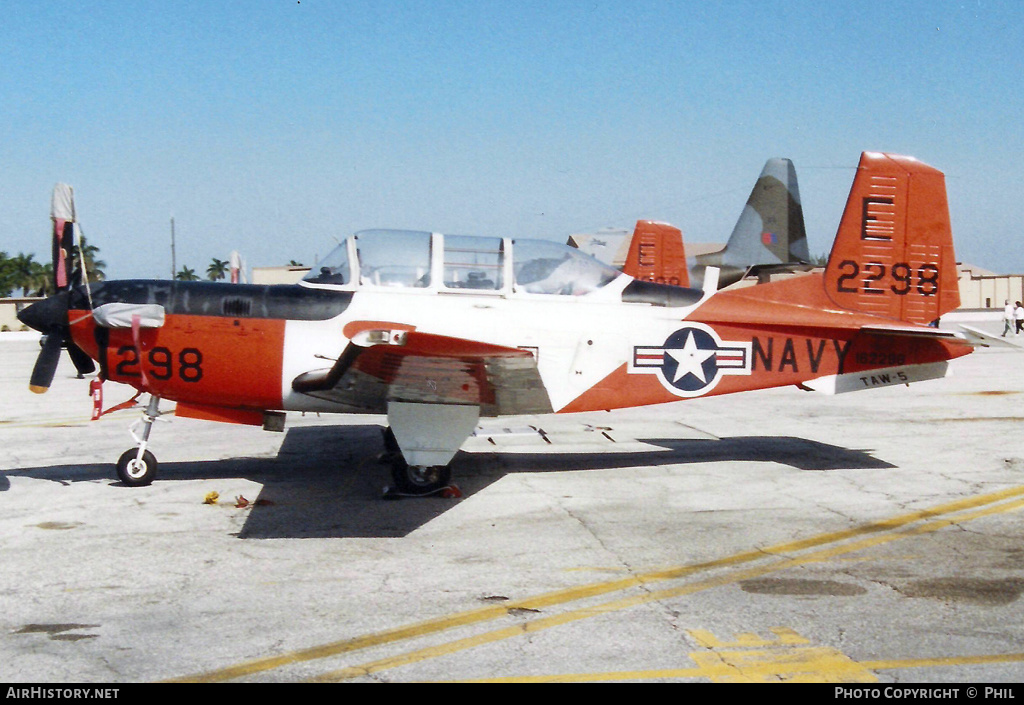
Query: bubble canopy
(409, 259)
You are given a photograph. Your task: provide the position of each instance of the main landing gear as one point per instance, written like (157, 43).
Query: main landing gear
(137, 466)
(421, 440)
(413, 480)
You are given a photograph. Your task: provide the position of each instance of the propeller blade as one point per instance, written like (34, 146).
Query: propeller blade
(50, 317)
(46, 363)
(62, 215)
(83, 363)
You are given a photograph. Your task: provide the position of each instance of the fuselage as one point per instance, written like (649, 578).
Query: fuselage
(616, 343)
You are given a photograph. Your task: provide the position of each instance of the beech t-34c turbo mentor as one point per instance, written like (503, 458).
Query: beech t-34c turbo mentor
(436, 331)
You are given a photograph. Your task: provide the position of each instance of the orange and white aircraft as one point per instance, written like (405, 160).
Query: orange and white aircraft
(436, 331)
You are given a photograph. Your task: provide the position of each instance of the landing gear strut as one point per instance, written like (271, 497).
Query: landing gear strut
(137, 466)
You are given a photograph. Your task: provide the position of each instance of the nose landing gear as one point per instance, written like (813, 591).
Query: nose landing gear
(137, 466)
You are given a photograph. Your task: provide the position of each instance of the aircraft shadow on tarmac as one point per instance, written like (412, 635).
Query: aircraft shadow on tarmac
(326, 481)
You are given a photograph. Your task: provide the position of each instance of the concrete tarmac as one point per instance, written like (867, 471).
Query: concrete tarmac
(872, 537)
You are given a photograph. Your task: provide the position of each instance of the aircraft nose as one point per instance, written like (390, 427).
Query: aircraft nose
(44, 315)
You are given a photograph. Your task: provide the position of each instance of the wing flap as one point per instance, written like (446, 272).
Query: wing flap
(410, 366)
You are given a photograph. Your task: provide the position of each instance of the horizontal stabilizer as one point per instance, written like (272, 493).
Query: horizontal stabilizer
(915, 332)
(982, 339)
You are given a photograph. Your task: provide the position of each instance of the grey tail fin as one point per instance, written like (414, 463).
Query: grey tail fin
(770, 229)
(769, 235)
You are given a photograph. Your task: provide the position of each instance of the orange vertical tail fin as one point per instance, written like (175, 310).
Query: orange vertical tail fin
(893, 255)
(656, 254)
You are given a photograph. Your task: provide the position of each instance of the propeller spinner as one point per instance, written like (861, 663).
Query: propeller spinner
(50, 317)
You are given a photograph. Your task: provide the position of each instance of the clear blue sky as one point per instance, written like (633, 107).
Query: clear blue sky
(273, 127)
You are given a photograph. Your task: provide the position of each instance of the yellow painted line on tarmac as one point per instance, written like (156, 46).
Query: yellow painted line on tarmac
(562, 597)
(50, 422)
(725, 670)
(654, 596)
(893, 664)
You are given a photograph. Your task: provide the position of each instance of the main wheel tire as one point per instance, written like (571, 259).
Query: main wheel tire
(420, 480)
(134, 471)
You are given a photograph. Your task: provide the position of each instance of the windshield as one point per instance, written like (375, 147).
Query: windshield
(333, 269)
(391, 258)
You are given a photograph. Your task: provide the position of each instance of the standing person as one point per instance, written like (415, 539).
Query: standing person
(1008, 318)
(1018, 315)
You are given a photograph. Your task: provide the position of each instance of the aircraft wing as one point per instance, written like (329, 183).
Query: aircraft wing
(379, 366)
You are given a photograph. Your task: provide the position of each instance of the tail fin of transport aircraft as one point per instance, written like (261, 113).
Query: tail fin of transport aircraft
(770, 230)
(893, 254)
(769, 236)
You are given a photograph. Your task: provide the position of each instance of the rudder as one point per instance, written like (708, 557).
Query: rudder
(893, 254)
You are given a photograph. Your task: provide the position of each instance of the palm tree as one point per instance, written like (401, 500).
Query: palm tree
(185, 274)
(21, 270)
(7, 282)
(93, 267)
(217, 269)
(41, 280)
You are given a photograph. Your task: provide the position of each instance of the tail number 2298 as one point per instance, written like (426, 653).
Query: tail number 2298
(872, 278)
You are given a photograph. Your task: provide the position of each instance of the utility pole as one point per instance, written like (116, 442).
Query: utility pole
(174, 265)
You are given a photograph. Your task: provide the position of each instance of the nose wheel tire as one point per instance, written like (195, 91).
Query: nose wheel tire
(135, 471)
